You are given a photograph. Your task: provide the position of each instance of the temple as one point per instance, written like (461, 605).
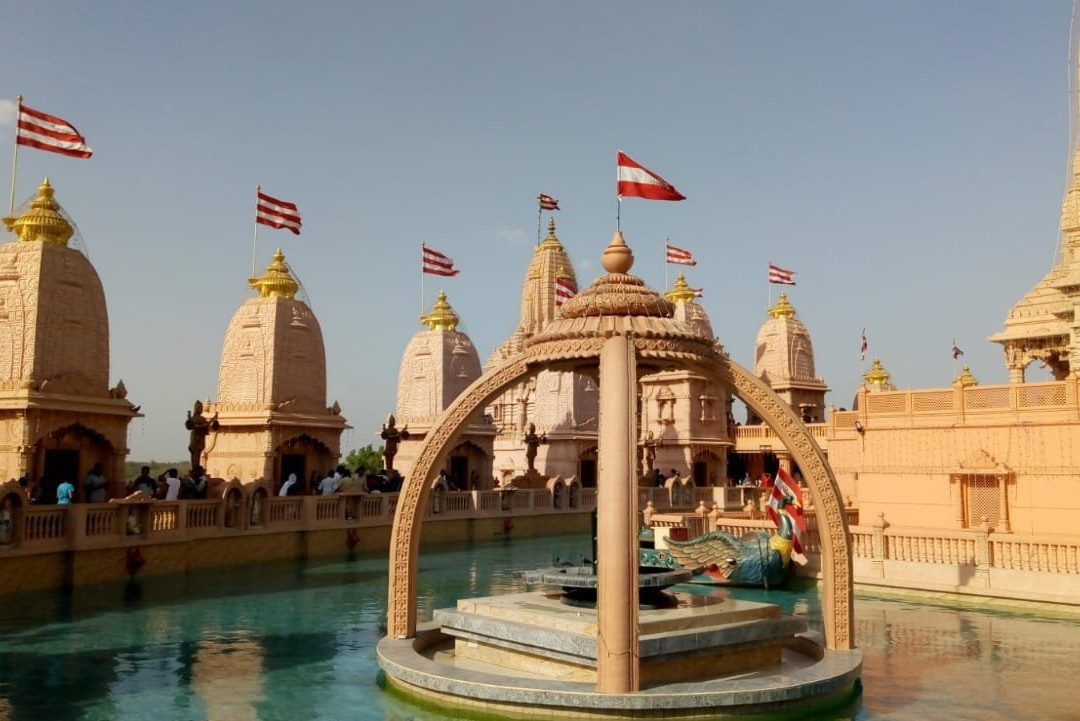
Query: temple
(270, 418)
(58, 415)
(440, 362)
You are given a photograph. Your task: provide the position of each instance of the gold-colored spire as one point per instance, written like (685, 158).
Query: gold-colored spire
(43, 222)
(442, 316)
(782, 309)
(551, 238)
(965, 379)
(277, 282)
(681, 292)
(877, 375)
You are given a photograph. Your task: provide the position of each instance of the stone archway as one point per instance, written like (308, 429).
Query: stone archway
(409, 517)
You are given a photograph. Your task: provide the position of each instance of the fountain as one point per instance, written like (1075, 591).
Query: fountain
(638, 650)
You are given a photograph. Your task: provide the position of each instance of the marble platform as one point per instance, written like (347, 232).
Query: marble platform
(530, 655)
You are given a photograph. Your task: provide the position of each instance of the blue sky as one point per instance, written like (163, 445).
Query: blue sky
(907, 159)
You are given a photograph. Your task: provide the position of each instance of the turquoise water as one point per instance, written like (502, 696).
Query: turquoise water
(296, 641)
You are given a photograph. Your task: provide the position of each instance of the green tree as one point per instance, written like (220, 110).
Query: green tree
(368, 459)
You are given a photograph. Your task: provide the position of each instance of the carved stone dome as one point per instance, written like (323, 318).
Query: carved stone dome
(439, 362)
(273, 355)
(54, 327)
(687, 309)
(784, 351)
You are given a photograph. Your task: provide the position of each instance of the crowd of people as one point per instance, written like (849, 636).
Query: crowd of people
(341, 479)
(169, 486)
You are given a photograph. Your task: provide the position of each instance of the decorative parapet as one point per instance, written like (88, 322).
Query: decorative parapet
(1053, 401)
(749, 439)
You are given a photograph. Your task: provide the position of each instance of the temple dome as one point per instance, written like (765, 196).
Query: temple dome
(54, 327)
(784, 358)
(548, 265)
(687, 309)
(439, 362)
(273, 355)
(784, 351)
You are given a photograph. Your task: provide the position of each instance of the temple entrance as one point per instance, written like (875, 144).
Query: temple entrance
(60, 465)
(587, 470)
(459, 472)
(292, 463)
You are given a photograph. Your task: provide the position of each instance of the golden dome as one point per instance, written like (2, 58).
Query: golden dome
(277, 282)
(442, 316)
(681, 292)
(965, 379)
(43, 222)
(877, 375)
(783, 308)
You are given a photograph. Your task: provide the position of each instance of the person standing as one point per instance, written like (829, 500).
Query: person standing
(172, 485)
(143, 483)
(65, 493)
(287, 486)
(95, 484)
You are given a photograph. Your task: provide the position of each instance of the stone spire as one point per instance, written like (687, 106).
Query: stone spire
(1043, 324)
(686, 307)
(271, 395)
(43, 222)
(54, 357)
(784, 356)
(549, 263)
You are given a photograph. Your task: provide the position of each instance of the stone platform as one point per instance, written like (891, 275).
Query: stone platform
(529, 654)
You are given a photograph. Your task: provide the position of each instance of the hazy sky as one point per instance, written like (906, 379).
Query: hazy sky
(907, 159)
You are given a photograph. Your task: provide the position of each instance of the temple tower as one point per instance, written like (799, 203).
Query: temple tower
(58, 415)
(563, 405)
(440, 362)
(271, 413)
(683, 414)
(784, 358)
(1044, 325)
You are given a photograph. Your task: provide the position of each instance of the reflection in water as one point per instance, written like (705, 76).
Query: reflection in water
(296, 641)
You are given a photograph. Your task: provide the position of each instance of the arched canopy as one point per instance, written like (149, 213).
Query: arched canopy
(666, 349)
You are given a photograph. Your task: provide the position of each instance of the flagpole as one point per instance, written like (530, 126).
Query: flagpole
(768, 290)
(539, 213)
(665, 264)
(421, 279)
(15, 155)
(256, 237)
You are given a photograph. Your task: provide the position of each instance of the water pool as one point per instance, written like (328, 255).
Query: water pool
(296, 641)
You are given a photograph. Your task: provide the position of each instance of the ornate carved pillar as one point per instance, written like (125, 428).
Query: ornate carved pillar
(1016, 362)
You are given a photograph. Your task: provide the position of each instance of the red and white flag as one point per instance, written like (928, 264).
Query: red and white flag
(634, 180)
(564, 290)
(276, 213)
(48, 132)
(781, 276)
(865, 345)
(547, 202)
(679, 256)
(698, 292)
(956, 352)
(436, 263)
(786, 499)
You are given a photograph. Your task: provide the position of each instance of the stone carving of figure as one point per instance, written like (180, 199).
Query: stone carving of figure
(648, 452)
(391, 437)
(200, 427)
(532, 442)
